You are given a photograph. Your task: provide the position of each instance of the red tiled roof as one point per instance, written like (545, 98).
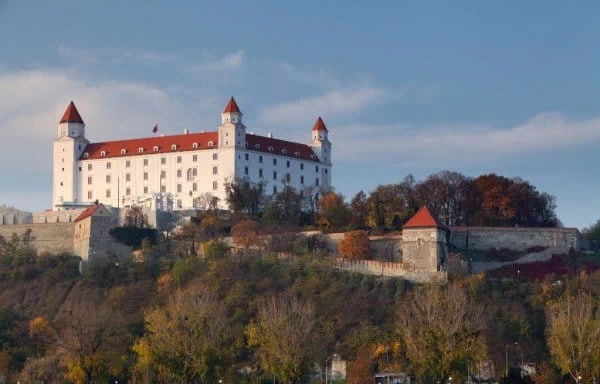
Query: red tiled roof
(424, 219)
(164, 144)
(277, 147)
(320, 125)
(71, 115)
(87, 213)
(232, 106)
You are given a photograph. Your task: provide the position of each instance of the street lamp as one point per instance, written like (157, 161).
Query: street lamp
(506, 356)
(578, 379)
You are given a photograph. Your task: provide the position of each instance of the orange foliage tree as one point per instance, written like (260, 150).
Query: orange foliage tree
(246, 234)
(333, 213)
(355, 246)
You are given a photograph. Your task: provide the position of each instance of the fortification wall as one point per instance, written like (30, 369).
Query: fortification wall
(53, 238)
(519, 239)
(387, 247)
(390, 269)
(49, 217)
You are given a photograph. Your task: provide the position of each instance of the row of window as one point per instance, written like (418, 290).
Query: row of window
(163, 189)
(192, 172)
(163, 161)
(156, 148)
(287, 162)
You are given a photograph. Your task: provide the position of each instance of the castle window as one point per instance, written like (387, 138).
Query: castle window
(89, 167)
(274, 189)
(195, 187)
(211, 144)
(123, 151)
(260, 173)
(302, 180)
(274, 161)
(128, 177)
(145, 162)
(195, 158)
(145, 175)
(89, 195)
(173, 147)
(155, 149)
(145, 190)
(86, 155)
(163, 174)
(179, 204)
(274, 175)
(301, 165)
(246, 156)
(215, 170)
(127, 191)
(195, 146)
(194, 172)
(260, 159)
(215, 185)
(179, 188)
(287, 163)
(325, 170)
(108, 165)
(90, 180)
(108, 193)
(179, 173)
(107, 179)
(316, 168)
(215, 156)
(140, 150)
(179, 159)
(127, 164)
(246, 171)
(163, 160)
(287, 177)
(102, 153)
(317, 182)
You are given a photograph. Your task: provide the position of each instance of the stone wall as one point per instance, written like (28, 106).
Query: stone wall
(48, 217)
(12, 216)
(388, 247)
(424, 249)
(390, 269)
(53, 238)
(545, 255)
(518, 239)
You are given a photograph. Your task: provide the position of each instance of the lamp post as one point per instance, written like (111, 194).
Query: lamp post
(506, 356)
(578, 379)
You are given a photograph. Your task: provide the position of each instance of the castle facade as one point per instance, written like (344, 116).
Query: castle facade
(167, 172)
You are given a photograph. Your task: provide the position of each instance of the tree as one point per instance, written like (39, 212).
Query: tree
(183, 337)
(390, 206)
(333, 214)
(89, 340)
(442, 331)
(135, 217)
(355, 246)
(246, 234)
(573, 334)
(285, 333)
(44, 369)
(359, 211)
(593, 234)
(245, 198)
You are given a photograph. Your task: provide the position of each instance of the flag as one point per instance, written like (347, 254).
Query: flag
(155, 129)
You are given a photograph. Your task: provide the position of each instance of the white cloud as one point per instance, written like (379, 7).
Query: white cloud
(230, 62)
(331, 103)
(463, 143)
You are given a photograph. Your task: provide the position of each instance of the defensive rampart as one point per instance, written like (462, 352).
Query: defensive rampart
(518, 239)
(53, 238)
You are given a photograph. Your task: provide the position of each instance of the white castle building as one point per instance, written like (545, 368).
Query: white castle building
(172, 172)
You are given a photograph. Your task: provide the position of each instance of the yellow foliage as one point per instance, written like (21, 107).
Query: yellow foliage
(75, 372)
(164, 282)
(39, 326)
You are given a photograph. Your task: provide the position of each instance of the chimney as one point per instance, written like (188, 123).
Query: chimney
(186, 131)
(270, 135)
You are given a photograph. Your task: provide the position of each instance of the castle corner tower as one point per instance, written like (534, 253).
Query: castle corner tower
(67, 149)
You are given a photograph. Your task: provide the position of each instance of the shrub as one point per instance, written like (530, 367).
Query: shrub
(215, 249)
(133, 236)
(355, 246)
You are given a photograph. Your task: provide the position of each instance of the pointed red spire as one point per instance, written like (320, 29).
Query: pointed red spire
(423, 219)
(72, 115)
(320, 125)
(232, 107)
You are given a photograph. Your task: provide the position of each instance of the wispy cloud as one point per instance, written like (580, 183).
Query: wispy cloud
(464, 143)
(230, 62)
(331, 103)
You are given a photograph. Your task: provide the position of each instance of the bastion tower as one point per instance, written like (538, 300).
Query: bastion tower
(67, 149)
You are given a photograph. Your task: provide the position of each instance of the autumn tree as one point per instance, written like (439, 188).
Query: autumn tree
(333, 214)
(182, 338)
(246, 234)
(135, 217)
(593, 234)
(89, 340)
(442, 330)
(285, 208)
(355, 246)
(573, 334)
(391, 205)
(285, 334)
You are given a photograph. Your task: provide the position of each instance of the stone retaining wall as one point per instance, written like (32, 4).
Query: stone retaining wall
(53, 238)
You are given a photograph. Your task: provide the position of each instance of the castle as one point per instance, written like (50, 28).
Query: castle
(173, 172)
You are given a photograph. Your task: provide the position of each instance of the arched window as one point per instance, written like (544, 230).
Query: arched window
(195, 145)
(211, 144)
(140, 150)
(155, 149)
(102, 153)
(284, 151)
(123, 151)
(86, 155)
(173, 147)
(257, 146)
(270, 149)
(297, 154)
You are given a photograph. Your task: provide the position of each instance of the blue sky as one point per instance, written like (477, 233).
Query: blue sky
(510, 87)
